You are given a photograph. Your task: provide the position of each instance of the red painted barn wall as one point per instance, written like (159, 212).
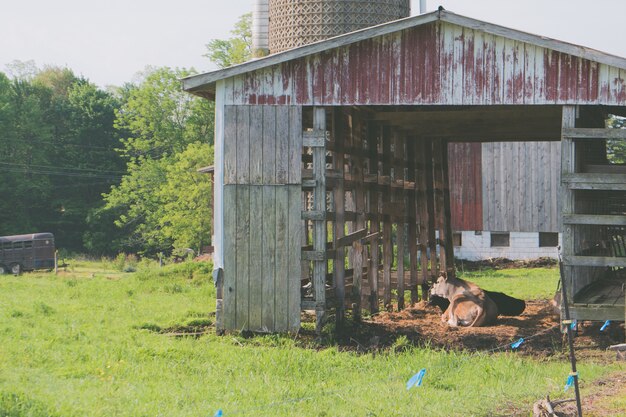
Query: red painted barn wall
(466, 198)
(437, 63)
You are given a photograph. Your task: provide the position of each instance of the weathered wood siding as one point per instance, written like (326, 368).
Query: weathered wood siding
(262, 206)
(465, 170)
(521, 183)
(435, 63)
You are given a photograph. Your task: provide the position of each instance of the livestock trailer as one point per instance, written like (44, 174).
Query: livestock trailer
(26, 252)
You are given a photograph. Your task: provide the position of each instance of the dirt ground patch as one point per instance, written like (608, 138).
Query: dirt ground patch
(537, 325)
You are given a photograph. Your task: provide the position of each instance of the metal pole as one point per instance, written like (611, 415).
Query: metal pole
(570, 337)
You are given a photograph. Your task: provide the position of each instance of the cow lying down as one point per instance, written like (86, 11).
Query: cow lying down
(469, 305)
(507, 305)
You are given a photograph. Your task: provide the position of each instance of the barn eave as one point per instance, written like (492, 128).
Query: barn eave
(204, 85)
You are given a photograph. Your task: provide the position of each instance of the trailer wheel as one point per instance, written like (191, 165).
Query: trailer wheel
(16, 269)
(3, 269)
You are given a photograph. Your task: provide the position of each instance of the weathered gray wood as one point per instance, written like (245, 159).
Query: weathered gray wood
(206, 82)
(230, 145)
(594, 133)
(243, 256)
(269, 145)
(568, 167)
(350, 238)
(256, 145)
(422, 211)
(387, 225)
(446, 233)
(430, 205)
(243, 145)
(230, 258)
(281, 285)
(319, 232)
(596, 312)
(359, 207)
(268, 271)
(295, 145)
(282, 145)
(339, 265)
(315, 138)
(293, 276)
(595, 219)
(594, 261)
(373, 141)
(256, 259)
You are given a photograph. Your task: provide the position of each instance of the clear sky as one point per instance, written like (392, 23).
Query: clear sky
(109, 41)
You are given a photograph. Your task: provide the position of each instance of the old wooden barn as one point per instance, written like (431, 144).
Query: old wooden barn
(332, 185)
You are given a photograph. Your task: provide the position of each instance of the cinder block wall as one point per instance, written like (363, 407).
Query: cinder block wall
(522, 246)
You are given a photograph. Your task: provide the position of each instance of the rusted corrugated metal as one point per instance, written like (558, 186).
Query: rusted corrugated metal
(466, 198)
(435, 63)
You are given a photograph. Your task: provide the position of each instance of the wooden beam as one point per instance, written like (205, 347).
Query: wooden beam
(595, 219)
(350, 238)
(594, 133)
(600, 261)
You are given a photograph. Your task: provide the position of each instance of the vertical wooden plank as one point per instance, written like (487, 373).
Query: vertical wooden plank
(269, 253)
(447, 215)
(281, 283)
(256, 144)
(387, 226)
(568, 166)
(243, 145)
(282, 145)
(339, 224)
(294, 241)
(400, 200)
(430, 206)
(422, 211)
(269, 150)
(256, 260)
(319, 234)
(230, 144)
(373, 142)
(230, 258)
(359, 203)
(295, 145)
(412, 219)
(243, 256)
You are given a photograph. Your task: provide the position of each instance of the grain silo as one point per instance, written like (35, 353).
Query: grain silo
(285, 24)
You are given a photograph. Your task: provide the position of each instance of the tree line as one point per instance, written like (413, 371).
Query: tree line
(106, 171)
(109, 170)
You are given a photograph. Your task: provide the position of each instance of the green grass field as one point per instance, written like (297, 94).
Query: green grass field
(93, 342)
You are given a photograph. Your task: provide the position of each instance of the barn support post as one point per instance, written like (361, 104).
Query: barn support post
(359, 204)
(422, 213)
(373, 141)
(442, 198)
(319, 225)
(387, 225)
(399, 210)
(568, 166)
(412, 218)
(339, 268)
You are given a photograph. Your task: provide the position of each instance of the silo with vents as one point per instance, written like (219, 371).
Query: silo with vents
(279, 25)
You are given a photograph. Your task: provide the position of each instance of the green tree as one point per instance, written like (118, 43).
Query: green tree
(616, 148)
(186, 197)
(235, 50)
(161, 122)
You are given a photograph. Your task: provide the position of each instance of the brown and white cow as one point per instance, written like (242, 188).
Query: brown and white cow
(469, 305)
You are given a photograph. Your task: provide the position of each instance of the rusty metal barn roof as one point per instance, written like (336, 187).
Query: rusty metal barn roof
(205, 83)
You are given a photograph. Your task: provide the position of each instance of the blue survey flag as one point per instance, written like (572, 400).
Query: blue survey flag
(605, 325)
(517, 344)
(416, 380)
